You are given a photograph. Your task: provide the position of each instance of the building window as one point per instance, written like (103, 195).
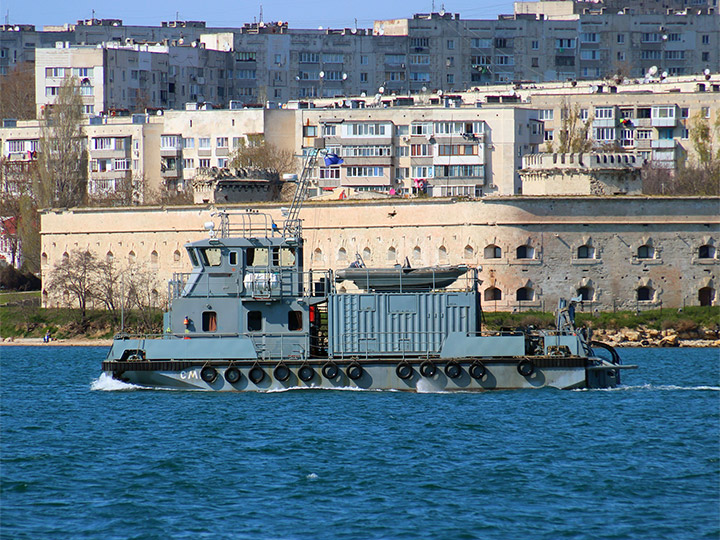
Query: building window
(524, 252)
(391, 254)
(706, 39)
(204, 142)
(706, 252)
(222, 142)
(492, 294)
(585, 252)
(493, 252)
(621, 38)
(644, 294)
(524, 294)
(585, 294)
(468, 252)
(417, 253)
(645, 252)
(451, 44)
(342, 254)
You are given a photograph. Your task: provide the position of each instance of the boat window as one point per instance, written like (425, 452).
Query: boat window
(256, 256)
(254, 321)
(209, 321)
(211, 256)
(295, 320)
(287, 256)
(233, 258)
(193, 257)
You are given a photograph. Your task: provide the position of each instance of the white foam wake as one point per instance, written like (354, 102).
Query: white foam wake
(107, 383)
(645, 387)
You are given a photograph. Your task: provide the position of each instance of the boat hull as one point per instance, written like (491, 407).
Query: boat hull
(413, 375)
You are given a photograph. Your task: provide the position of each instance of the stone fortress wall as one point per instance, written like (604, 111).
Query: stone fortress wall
(620, 253)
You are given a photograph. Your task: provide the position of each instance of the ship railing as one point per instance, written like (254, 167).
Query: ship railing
(464, 283)
(257, 282)
(372, 344)
(247, 223)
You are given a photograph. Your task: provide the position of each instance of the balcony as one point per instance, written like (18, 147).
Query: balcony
(670, 121)
(664, 144)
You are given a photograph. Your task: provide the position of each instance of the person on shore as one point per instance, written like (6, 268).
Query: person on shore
(47, 338)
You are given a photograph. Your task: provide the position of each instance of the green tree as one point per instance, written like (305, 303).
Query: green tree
(62, 178)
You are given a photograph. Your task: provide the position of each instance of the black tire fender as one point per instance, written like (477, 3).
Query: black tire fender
(256, 374)
(330, 370)
(354, 371)
(281, 372)
(232, 375)
(526, 367)
(404, 370)
(306, 373)
(453, 370)
(477, 370)
(208, 374)
(427, 369)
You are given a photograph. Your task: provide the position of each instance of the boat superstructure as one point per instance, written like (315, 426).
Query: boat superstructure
(250, 317)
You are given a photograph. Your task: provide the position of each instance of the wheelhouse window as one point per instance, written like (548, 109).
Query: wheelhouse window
(256, 256)
(211, 256)
(233, 258)
(295, 320)
(287, 257)
(209, 321)
(254, 321)
(193, 257)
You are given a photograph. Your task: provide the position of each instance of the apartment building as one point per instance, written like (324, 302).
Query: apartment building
(540, 41)
(117, 78)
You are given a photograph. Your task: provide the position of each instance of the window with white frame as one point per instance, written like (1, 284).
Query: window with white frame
(354, 172)
(421, 150)
(221, 142)
(423, 171)
(606, 113)
(424, 128)
(204, 143)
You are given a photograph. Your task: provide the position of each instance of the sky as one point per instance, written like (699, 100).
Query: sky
(219, 13)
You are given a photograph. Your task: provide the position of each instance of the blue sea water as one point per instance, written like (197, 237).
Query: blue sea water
(77, 461)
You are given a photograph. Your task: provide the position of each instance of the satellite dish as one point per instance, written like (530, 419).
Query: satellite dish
(363, 94)
(593, 88)
(442, 12)
(424, 88)
(653, 70)
(320, 27)
(440, 92)
(706, 71)
(664, 75)
(381, 90)
(322, 74)
(353, 31)
(344, 76)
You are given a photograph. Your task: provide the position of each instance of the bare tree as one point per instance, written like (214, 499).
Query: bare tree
(142, 294)
(574, 135)
(77, 276)
(17, 98)
(258, 153)
(63, 158)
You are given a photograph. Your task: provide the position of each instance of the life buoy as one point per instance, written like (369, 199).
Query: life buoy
(427, 369)
(281, 372)
(526, 367)
(477, 370)
(306, 373)
(232, 375)
(330, 370)
(453, 369)
(256, 374)
(354, 371)
(404, 370)
(208, 374)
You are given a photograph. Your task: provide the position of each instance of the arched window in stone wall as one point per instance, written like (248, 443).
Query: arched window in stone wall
(644, 294)
(706, 296)
(524, 294)
(468, 252)
(109, 257)
(318, 256)
(442, 254)
(154, 297)
(342, 254)
(525, 252)
(417, 253)
(493, 252)
(586, 293)
(492, 294)
(646, 251)
(586, 251)
(65, 256)
(131, 257)
(366, 254)
(176, 256)
(154, 257)
(706, 251)
(391, 254)
(43, 259)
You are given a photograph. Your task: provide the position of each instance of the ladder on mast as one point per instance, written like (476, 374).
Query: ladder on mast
(291, 226)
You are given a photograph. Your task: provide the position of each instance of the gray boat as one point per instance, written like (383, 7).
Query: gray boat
(401, 278)
(249, 317)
